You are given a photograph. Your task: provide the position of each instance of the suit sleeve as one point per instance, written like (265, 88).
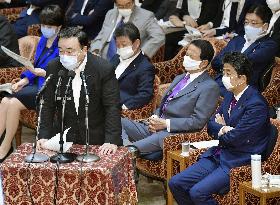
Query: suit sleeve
(254, 118)
(145, 89)
(48, 110)
(204, 108)
(210, 11)
(155, 37)
(111, 102)
(100, 10)
(213, 128)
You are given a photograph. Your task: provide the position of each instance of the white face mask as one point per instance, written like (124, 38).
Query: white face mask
(274, 5)
(252, 33)
(227, 83)
(125, 52)
(48, 32)
(191, 64)
(125, 12)
(69, 62)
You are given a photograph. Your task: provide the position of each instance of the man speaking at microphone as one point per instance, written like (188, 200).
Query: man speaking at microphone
(103, 109)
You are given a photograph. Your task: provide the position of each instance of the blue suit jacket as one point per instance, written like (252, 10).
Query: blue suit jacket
(261, 53)
(42, 61)
(250, 120)
(136, 82)
(92, 23)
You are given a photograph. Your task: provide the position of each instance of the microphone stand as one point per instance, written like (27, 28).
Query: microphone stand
(36, 157)
(64, 157)
(87, 157)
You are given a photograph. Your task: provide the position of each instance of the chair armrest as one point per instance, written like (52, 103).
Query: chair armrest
(138, 114)
(8, 74)
(12, 14)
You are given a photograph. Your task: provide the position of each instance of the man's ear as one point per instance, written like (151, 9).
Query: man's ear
(85, 49)
(265, 27)
(204, 64)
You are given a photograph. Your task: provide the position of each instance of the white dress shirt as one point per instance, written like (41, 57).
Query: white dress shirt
(192, 78)
(77, 84)
(273, 19)
(194, 8)
(226, 15)
(84, 7)
(123, 65)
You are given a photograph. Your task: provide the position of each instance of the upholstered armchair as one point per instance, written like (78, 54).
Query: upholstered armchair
(12, 14)
(272, 91)
(34, 30)
(148, 109)
(240, 174)
(159, 56)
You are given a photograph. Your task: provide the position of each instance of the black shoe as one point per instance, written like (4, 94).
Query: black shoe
(9, 152)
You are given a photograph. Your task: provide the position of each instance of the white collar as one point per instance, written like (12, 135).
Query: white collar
(193, 76)
(237, 97)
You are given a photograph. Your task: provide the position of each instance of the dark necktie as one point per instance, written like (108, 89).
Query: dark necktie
(233, 104)
(174, 92)
(112, 49)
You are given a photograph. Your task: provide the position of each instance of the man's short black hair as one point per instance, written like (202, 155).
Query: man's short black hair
(261, 11)
(52, 15)
(206, 48)
(240, 63)
(129, 30)
(77, 32)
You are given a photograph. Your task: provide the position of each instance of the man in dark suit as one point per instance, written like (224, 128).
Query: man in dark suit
(8, 39)
(89, 14)
(103, 108)
(30, 16)
(255, 44)
(209, 12)
(242, 126)
(186, 106)
(134, 70)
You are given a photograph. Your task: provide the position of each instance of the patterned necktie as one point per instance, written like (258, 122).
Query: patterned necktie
(233, 104)
(174, 92)
(112, 49)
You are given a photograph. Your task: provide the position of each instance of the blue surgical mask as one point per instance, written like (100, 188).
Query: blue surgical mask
(252, 33)
(69, 62)
(48, 32)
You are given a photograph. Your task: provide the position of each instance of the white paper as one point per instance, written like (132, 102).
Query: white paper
(24, 61)
(193, 31)
(7, 87)
(166, 24)
(205, 144)
(53, 143)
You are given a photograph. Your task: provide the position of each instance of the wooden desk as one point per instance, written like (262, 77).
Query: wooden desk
(271, 192)
(171, 156)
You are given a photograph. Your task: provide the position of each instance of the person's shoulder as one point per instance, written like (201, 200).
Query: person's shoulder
(255, 97)
(101, 65)
(143, 12)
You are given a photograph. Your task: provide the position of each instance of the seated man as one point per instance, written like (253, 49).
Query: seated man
(134, 71)
(8, 38)
(186, 107)
(152, 36)
(255, 44)
(89, 14)
(241, 125)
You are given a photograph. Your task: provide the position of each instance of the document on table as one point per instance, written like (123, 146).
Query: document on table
(24, 61)
(7, 87)
(205, 144)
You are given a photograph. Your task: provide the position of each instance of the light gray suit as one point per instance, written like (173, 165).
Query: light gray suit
(152, 36)
(188, 111)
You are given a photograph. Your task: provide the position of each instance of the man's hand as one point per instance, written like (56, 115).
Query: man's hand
(156, 124)
(204, 27)
(107, 149)
(19, 85)
(39, 72)
(190, 21)
(208, 33)
(220, 119)
(176, 21)
(40, 144)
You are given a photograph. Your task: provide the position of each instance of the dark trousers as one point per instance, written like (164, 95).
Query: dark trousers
(196, 184)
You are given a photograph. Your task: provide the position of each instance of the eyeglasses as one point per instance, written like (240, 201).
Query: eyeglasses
(252, 23)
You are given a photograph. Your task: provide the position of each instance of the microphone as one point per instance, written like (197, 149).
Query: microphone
(85, 86)
(71, 75)
(47, 81)
(61, 74)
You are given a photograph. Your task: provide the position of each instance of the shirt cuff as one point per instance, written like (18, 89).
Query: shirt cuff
(8, 1)
(221, 132)
(210, 24)
(124, 107)
(167, 121)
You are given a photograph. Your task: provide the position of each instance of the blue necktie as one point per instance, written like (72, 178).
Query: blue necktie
(112, 49)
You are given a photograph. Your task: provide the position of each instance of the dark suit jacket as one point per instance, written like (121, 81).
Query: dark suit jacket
(275, 34)
(151, 5)
(250, 120)
(136, 82)
(8, 39)
(92, 23)
(261, 53)
(104, 110)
